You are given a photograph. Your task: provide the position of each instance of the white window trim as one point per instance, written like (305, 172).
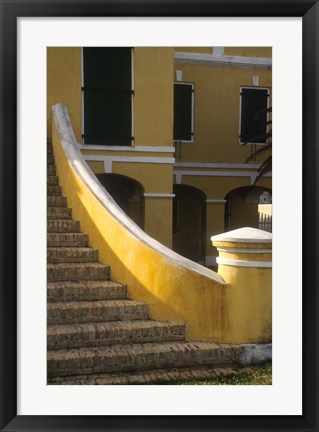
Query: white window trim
(132, 100)
(193, 111)
(268, 105)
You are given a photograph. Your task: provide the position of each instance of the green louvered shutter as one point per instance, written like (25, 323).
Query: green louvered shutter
(183, 112)
(107, 96)
(253, 120)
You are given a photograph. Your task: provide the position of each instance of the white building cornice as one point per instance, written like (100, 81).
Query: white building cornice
(222, 60)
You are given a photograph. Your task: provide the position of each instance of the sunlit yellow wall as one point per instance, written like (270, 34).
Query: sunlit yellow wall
(153, 100)
(64, 84)
(248, 51)
(249, 292)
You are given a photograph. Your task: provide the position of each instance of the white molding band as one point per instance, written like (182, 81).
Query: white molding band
(222, 60)
(150, 149)
(242, 263)
(240, 250)
(108, 160)
(215, 201)
(158, 195)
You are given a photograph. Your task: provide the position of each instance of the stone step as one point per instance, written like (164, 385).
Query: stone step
(112, 333)
(67, 239)
(50, 157)
(76, 271)
(51, 171)
(56, 201)
(54, 190)
(85, 290)
(72, 254)
(96, 311)
(49, 149)
(52, 180)
(155, 376)
(59, 213)
(139, 357)
(63, 226)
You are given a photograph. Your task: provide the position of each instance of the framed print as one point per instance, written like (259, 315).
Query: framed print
(56, 60)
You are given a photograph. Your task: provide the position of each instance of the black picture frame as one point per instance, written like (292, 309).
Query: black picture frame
(10, 10)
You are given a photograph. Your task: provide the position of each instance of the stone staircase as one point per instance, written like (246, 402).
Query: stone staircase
(95, 333)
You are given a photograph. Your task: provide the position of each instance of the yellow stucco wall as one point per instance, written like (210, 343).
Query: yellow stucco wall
(64, 84)
(217, 96)
(153, 100)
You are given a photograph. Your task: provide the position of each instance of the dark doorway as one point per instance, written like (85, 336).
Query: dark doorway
(128, 194)
(189, 222)
(107, 74)
(241, 208)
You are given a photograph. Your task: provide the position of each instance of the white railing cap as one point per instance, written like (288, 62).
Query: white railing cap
(244, 235)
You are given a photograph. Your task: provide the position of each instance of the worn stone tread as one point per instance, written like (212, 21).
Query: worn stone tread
(85, 290)
(95, 311)
(157, 376)
(77, 271)
(55, 190)
(71, 254)
(67, 239)
(139, 357)
(59, 213)
(56, 201)
(112, 333)
(63, 226)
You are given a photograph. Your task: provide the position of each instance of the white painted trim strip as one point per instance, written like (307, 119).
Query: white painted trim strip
(215, 201)
(158, 195)
(241, 263)
(150, 149)
(222, 60)
(239, 250)
(108, 160)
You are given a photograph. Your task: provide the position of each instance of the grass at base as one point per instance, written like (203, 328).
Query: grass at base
(256, 375)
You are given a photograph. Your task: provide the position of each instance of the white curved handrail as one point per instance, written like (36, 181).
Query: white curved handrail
(73, 154)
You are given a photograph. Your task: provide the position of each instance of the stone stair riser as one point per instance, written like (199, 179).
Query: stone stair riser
(99, 335)
(136, 358)
(59, 213)
(67, 291)
(67, 239)
(50, 157)
(56, 201)
(54, 190)
(63, 226)
(52, 180)
(51, 170)
(69, 255)
(86, 312)
(80, 272)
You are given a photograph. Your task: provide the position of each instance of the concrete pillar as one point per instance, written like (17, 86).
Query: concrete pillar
(245, 263)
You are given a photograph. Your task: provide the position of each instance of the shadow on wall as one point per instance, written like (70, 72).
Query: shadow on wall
(128, 194)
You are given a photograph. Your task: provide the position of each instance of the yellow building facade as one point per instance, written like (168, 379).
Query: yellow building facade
(177, 166)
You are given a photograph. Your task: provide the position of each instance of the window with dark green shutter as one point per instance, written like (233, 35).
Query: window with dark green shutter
(107, 74)
(183, 111)
(254, 102)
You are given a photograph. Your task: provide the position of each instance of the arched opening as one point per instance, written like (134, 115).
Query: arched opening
(128, 194)
(244, 208)
(189, 222)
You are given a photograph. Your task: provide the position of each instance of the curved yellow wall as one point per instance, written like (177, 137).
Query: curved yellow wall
(174, 292)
